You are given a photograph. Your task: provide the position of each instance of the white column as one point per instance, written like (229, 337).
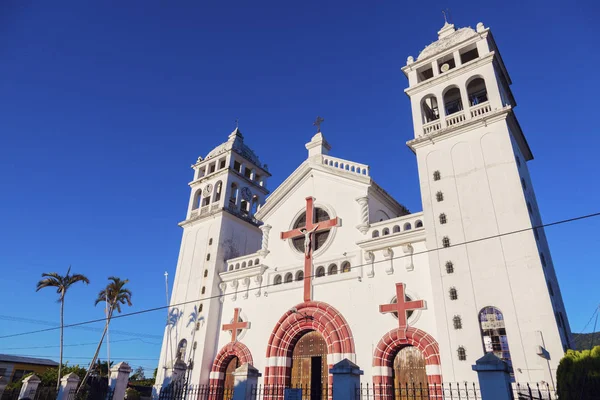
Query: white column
(30, 385)
(264, 249)
(363, 202)
(68, 384)
(494, 379)
(245, 378)
(119, 376)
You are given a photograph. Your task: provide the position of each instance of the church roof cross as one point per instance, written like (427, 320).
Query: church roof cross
(236, 325)
(402, 307)
(318, 123)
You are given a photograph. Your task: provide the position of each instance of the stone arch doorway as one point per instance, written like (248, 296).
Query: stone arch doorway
(309, 365)
(230, 357)
(292, 326)
(392, 344)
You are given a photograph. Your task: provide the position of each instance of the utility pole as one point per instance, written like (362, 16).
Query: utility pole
(594, 331)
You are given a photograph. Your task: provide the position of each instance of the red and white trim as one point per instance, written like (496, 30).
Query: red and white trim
(225, 355)
(310, 316)
(388, 347)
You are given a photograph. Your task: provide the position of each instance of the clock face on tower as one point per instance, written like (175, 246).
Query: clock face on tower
(208, 189)
(246, 194)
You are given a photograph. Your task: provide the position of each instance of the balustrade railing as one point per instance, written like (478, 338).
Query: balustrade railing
(456, 118)
(432, 126)
(480, 109)
(345, 165)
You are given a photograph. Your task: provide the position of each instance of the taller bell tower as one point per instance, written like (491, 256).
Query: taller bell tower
(227, 189)
(495, 290)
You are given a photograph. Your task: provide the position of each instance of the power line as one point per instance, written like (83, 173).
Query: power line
(76, 345)
(87, 328)
(83, 358)
(269, 285)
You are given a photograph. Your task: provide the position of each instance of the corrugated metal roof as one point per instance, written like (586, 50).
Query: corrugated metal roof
(27, 360)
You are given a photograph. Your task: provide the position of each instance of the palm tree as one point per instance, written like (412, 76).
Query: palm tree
(62, 284)
(114, 294)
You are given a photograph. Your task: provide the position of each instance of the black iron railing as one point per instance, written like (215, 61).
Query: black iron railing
(533, 391)
(195, 392)
(302, 392)
(418, 391)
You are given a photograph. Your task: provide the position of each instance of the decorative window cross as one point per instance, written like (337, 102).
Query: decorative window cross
(402, 307)
(236, 325)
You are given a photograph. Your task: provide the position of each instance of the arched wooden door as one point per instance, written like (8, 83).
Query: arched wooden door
(410, 377)
(229, 378)
(309, 366)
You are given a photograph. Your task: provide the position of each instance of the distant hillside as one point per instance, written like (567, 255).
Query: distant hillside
(583, 341)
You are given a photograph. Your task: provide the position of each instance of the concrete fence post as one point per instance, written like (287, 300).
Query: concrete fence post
(346, 380)
(244, 378)
(30, 385)
(68, 384)
(494, 379)
(119, 376)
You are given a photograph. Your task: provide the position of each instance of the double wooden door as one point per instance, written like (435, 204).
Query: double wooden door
(309, 366)
(410, 377)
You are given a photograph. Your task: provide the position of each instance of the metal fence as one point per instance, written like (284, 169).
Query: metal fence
(90, 393)
(412, 391)
(533, 391)
(46, 393)
(302, 392)
(10, 394)
(195, 392)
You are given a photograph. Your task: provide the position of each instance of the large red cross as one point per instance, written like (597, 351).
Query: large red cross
(296, 233)
(235, 325)
(402, 307)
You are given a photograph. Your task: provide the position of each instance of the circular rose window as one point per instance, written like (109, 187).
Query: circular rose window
(320, 237)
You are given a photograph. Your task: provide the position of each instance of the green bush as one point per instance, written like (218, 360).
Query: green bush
(132, 394)
(578, 375)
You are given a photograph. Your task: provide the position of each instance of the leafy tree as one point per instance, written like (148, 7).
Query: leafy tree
(114, 294)
(102, 368)
(62, 284)
(138, 374)
(49, 376)
(154, 373)
(578, 375)
(132, 394)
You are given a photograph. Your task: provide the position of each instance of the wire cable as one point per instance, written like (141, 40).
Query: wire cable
(148, 310)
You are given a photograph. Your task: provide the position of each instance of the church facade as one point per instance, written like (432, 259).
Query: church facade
(329, 266)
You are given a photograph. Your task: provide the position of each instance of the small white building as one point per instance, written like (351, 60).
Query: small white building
(330, 266)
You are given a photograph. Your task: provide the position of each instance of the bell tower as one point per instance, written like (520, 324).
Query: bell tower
(476, 191)
(229, 186)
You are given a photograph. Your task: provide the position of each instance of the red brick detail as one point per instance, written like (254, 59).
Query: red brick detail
(224, 356)
(402, 307)
(310, 316)
(392, 342)
(235, 325)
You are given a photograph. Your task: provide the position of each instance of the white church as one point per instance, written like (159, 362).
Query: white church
(329, 266)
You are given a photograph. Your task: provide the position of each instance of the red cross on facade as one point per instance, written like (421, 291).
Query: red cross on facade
(235, 325)
(308, 231)
(402, 307)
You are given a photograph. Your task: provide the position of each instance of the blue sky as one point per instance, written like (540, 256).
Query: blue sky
(106, 104)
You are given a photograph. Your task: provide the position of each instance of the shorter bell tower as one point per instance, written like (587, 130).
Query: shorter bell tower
(229, 186)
